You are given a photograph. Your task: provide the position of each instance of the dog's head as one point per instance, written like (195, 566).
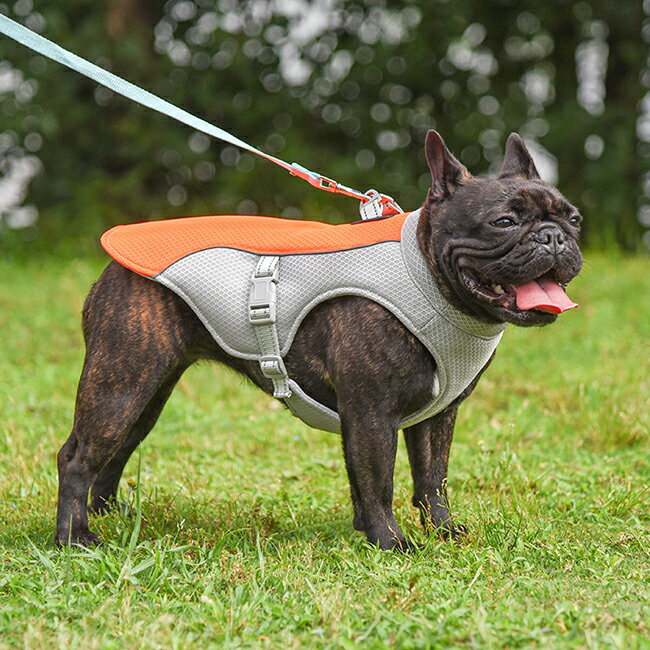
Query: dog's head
(499, 249)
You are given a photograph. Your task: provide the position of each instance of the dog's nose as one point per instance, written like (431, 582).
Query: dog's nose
(553, 238)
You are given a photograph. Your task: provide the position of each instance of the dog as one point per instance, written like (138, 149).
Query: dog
(488, 247)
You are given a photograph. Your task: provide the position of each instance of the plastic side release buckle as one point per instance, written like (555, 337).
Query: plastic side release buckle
(378, 205)
(262, 300)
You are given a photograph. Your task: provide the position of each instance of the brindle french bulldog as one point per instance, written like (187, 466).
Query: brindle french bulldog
(489, 246)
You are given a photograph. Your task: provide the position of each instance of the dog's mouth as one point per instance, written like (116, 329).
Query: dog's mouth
(543, 294)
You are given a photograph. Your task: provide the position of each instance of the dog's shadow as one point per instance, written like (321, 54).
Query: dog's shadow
(232, 525)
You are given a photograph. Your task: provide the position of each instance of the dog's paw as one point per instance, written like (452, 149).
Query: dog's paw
(87, 539)
(451, 531)
(407, 547)
(393, 542)
(446, 529)
(459, 530)
(102, 507)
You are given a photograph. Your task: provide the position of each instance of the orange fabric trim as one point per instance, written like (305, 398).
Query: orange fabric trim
(149, 248)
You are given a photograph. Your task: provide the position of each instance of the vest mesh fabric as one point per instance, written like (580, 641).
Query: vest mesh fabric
(216, 284)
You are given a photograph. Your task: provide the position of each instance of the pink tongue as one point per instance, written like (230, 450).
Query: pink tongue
(543, 294)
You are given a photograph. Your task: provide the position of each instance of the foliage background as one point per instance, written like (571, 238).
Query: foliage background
(348, 89)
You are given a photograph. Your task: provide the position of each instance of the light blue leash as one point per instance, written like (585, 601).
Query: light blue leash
(373, 204)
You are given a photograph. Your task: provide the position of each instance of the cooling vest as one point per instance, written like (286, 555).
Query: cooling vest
(252, 280)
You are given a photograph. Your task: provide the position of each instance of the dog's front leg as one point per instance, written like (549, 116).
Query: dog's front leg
(369, 446)
(428, 446)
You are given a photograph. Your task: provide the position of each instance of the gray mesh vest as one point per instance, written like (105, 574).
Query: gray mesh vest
(216, 284)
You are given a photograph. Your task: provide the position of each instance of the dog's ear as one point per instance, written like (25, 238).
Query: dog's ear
(447, 173)
(517, 162)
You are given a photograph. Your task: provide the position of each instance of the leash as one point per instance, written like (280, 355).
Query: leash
(373, 203)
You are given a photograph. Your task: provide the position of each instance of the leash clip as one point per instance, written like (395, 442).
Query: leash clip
(378, 205)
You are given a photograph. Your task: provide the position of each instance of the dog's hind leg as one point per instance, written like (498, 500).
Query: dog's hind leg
(95, 438)
(104, 489)
(137, 345)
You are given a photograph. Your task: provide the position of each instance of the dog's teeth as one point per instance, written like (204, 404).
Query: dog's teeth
(498, 288)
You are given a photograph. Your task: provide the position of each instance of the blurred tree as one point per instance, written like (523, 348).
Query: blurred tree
(126, 17)
(346, 88)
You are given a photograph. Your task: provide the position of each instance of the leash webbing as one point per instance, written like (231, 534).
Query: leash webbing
(383, 204)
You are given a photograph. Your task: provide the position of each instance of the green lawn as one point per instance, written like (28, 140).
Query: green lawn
(244, 537)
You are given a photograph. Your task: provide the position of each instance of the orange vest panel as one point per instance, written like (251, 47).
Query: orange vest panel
(149, 248)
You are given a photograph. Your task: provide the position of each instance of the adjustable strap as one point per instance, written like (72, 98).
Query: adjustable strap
(373, 204)
(261, 315)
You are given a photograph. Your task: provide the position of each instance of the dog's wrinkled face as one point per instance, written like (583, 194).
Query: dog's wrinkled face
(502, 250)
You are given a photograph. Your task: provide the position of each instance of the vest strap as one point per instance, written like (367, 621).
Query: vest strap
(261, 315)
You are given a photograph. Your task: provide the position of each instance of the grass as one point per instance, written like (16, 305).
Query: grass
(242, 534)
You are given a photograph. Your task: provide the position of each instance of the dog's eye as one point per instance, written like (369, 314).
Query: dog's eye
(575, 220)
(504, 222)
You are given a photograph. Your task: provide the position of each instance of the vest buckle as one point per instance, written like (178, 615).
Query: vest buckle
(262, 299)
(261, 304)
